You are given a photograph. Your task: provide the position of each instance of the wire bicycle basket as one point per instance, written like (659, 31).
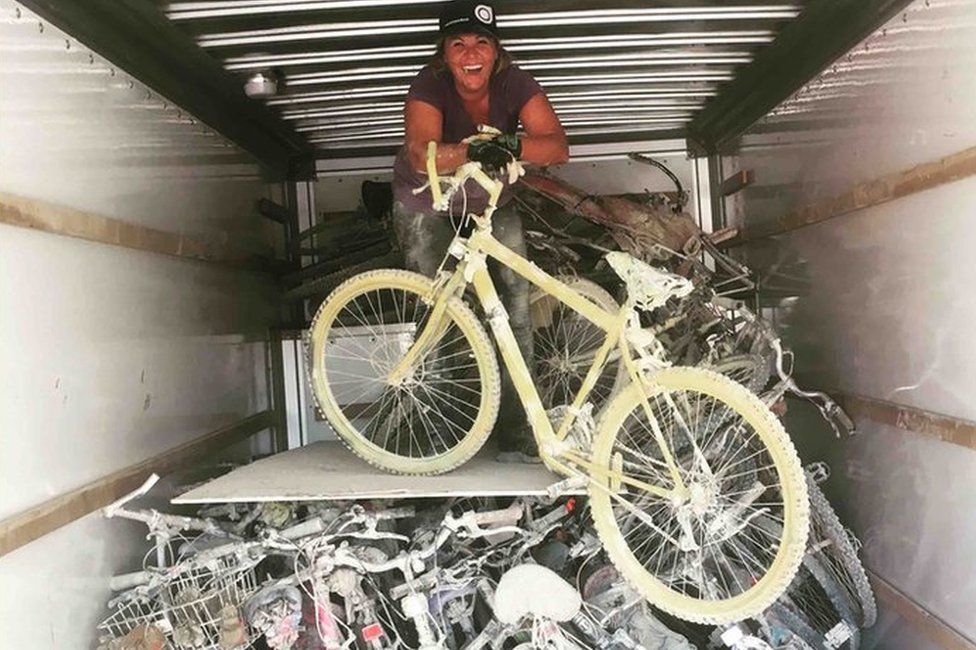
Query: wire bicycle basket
(195, 609)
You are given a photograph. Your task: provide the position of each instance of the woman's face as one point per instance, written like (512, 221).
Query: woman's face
(470, 58)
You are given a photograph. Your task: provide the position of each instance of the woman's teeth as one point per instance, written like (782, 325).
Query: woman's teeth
(472, 68)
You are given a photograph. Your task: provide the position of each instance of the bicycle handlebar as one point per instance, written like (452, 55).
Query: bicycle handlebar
(318, 525)
(441, 199)
(116, 505)
(127, 581)
(204, 559)
(407, 561)
(510, 514)
(304, 529)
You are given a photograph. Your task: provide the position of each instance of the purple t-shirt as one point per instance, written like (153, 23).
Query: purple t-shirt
(508, 91)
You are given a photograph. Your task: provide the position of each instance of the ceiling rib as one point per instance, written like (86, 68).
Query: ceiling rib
(826, 31)
(345, 65)
(137, 37)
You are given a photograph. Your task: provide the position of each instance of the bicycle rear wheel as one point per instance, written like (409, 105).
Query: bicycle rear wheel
(790, 631)
(818, 598)
(751, 370)
(441, 414)
(565, 344)
(688, 555)
(834, 547)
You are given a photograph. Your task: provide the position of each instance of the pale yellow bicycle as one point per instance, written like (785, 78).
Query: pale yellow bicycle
(695, 489)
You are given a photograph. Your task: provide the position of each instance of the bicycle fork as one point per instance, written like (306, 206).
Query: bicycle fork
(433, 330)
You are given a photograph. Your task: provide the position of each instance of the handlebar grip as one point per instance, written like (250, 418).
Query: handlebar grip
(395, 513)
(845, 420)
(127, 581)
(310, 527)
(510, 514)
(147, 485)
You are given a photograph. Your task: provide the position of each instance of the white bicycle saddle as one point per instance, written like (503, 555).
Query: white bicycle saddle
(647, 286)
(531, 589)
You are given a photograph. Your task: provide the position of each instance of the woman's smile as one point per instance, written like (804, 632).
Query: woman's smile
(470, 58)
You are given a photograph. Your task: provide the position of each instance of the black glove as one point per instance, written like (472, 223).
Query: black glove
(495, 154)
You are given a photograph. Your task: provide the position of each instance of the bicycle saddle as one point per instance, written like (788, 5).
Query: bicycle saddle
(647, 287)
(531, 589)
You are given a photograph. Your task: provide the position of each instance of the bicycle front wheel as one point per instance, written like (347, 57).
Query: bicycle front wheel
(725, 547)
(438, 416)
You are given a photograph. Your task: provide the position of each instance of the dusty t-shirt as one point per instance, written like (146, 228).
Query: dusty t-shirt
(508, 91)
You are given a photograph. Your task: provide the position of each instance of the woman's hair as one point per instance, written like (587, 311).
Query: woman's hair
(502, 60)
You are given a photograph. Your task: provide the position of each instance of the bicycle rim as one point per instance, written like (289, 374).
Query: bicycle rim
(791, 631)
(689, 558)
(441, 414)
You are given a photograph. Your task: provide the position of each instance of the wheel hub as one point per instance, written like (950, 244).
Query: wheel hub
(701, 497)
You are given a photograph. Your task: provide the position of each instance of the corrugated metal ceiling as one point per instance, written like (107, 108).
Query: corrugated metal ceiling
(641, 68)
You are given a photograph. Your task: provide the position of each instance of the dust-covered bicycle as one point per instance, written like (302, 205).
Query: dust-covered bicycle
(685, 468)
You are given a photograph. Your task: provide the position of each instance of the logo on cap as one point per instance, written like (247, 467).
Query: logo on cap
(484, 14)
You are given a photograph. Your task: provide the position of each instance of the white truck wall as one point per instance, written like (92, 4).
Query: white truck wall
(886, 302)
(110, 355)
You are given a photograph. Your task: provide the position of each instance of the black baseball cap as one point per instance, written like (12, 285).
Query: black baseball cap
(460, 16)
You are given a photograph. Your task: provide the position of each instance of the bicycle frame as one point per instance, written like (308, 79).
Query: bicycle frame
(472, 269)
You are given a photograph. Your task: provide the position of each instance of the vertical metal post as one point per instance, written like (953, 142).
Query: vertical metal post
(305, 209)
(294, 392)
(707, 193)
(716, 175)
(276, 370)
(708, 196)
(301, 208)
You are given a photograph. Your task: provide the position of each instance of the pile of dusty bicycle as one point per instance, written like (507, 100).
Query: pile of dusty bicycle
(679, 515)
(526, 572)
(468, 573)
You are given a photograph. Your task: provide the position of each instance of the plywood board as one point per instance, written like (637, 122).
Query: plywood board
(327, 470)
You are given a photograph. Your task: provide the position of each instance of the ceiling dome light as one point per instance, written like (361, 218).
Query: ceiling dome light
(261, 84)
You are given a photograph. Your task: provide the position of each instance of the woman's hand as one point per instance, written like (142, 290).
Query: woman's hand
(496, 153)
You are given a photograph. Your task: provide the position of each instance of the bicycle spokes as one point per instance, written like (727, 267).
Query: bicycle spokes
(721, 528)
(427, 411)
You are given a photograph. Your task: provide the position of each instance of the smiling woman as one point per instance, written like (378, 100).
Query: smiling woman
(470, 82)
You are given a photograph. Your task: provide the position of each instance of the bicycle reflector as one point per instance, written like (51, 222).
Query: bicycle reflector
(372, 632)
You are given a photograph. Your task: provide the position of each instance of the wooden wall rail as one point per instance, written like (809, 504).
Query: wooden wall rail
(868, 194)
(918, 617)
(42, 519)
(738, 182)
(49, 217)
(907, 418)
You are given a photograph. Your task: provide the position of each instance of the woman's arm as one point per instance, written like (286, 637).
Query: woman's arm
(424, 123)
(544, 142)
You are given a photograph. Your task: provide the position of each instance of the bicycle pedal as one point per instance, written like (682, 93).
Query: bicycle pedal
(837, 635)
(818, 471)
